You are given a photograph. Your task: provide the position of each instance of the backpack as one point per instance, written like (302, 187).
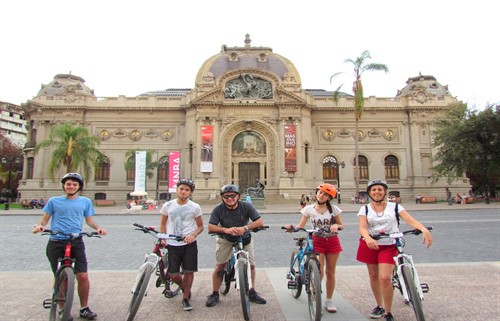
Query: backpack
(396, 210)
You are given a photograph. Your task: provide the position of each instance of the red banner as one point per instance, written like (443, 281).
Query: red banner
(174, 170)
(290, 149)
(207, 136)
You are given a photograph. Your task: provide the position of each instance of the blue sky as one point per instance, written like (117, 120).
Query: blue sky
(130, 47)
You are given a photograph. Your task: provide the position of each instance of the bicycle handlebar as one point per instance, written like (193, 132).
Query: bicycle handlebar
(255, 230)
(322, 230)
(399, 234)
(72, 236)
(151, 230)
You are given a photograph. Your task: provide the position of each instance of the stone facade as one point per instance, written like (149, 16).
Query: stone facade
(265, 126)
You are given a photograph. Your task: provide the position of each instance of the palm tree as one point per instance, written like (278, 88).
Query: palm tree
(74, 149)
(360, 66)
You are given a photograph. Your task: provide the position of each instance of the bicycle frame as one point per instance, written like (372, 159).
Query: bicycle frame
(241, 257)
(401, 260)
(303, 256)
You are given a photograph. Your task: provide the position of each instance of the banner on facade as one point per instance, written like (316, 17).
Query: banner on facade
(290, 149)
(174, 171)
(207, 136)
(140, 171)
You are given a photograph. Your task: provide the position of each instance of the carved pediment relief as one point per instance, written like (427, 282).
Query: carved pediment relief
(248, 86)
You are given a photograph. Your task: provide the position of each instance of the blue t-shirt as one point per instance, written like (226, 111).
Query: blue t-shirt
(67, 214)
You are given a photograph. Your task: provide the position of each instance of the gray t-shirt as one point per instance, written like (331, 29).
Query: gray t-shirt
(225, 217)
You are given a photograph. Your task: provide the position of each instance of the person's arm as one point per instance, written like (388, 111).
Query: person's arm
(40, 226)
(90, 222)
(199, 228)
(363, 231)
(302, 223)
(163, 223)
(426, 235)
(338, 226)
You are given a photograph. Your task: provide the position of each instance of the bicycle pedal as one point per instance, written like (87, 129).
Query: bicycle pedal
(292, 285)
(47, 303)
(424, 287)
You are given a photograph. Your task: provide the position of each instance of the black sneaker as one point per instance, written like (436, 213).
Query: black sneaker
(389, 317)
(212, 299)
(377, 312)
(186, 306)
(70, 318)
(255, 297)
(87, 314)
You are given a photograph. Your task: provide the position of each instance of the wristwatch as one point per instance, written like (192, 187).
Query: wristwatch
(246, 228)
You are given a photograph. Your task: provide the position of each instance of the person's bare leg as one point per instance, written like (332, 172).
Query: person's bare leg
(83, 288)
(385, 280)
(373, 273)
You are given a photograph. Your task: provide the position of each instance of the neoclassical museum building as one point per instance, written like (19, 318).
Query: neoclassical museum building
(247, 119)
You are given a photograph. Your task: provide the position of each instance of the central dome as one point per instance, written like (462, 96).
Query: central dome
(234, 58)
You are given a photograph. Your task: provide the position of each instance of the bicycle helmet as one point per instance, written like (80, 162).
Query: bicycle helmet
(376, 182)
(328, 189)
(230, 188)
(75, 177)
(188, 182)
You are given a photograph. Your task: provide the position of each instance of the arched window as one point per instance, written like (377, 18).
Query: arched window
(363, 167)
(131, 171)
(163, 171)
(391, 164)
(330, 169)
(103, 169)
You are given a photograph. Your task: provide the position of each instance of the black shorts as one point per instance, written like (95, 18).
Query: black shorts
(185, 256)
(55, 250)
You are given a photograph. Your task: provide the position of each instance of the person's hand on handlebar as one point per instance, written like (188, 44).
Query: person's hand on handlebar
(236, 230)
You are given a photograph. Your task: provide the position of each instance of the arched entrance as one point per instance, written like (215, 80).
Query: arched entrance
(249, 154)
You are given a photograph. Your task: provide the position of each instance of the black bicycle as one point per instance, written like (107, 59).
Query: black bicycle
(238, 270)
(64, 279)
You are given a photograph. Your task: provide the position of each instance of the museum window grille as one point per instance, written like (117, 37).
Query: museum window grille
(363, 168)
(330, 169)
(163, 171)
(103, 169)
(131, 169)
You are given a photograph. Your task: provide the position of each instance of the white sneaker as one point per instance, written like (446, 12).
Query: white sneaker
(330, 307)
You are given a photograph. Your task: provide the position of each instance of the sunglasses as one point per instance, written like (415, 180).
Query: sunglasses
(232, 196)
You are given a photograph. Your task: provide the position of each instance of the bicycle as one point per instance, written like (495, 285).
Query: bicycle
(64, 279)
(304, 270)
(405, 276)
(157, 261)
(238, 270)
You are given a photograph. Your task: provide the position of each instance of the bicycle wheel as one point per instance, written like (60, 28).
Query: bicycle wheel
(295, 274)
(244, 288)
(228, 276)
(413, 295)
(171, 288)
(314, 294)
(140, 291)
(62, 296)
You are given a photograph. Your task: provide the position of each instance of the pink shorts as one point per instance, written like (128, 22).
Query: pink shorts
(327, 245)
(384, 254)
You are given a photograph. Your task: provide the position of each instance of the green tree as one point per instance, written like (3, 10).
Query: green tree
(10, 151)
(73, 149)
(468, 142)
(360, 65)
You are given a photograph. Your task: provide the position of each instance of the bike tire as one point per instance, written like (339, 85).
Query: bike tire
(140, 291)
(314, 293)
(62, 296)
(295, 274)
(170, 286)
(412, 291)
(228, 277)
(244, 288)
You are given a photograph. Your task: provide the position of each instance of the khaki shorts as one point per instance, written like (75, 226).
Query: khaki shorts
(224, 250)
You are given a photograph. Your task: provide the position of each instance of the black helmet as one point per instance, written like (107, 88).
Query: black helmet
(376, 182)
(75, 177)
(188, 182)
(229, 188)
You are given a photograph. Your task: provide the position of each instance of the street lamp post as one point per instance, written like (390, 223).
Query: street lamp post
(338, 165)
(486, 159)
(10, 161)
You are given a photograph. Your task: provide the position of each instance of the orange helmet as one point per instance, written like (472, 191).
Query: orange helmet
(328, 189)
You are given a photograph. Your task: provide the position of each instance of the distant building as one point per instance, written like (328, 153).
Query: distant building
(13, 123)
(247, 118)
